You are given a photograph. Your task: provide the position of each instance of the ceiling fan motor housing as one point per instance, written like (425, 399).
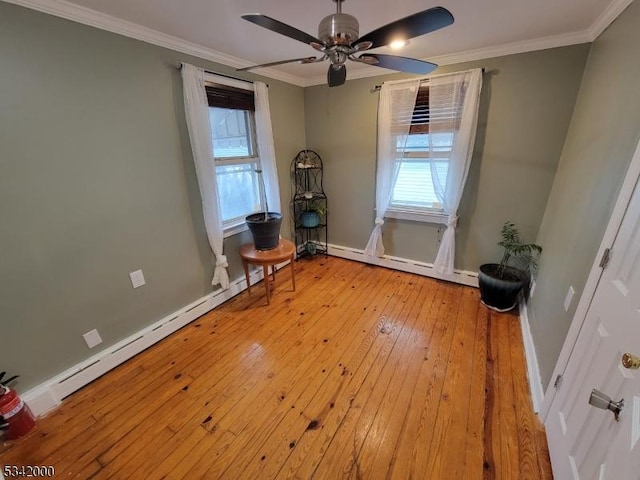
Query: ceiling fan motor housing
(338, 29)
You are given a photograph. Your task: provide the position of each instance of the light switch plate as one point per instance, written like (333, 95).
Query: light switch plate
(92, 338)
(137, 278)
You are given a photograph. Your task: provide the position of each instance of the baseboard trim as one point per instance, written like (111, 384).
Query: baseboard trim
(533, 371)
(462, 277)
(49, 394)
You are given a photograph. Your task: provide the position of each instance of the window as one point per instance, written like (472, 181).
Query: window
(422, 160)
(426, 136)
(231, 114)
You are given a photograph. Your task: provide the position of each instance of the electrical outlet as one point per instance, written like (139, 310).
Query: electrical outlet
(568, 299)
(137, 278)
(92, 338)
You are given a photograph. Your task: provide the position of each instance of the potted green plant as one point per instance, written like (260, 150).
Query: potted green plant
(310, 217)
(501, 283)
(264, 226)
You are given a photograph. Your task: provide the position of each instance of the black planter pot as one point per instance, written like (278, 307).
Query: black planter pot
(266, 234)
(500, 294)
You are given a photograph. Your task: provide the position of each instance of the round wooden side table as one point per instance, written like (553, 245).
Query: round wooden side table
(285, 250)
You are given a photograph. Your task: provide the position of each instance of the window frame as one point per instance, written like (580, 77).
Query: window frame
(237, 225)
(415, 214)
(419, 125)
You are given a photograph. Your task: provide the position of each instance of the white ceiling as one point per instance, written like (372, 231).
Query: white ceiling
(213, 29)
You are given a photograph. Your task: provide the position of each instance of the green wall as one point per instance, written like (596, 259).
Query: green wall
(97, 180)
(603, 135)
(526, 107)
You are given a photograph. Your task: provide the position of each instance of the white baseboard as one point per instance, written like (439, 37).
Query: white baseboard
(462, 277)
(533, 371)
(50, 393)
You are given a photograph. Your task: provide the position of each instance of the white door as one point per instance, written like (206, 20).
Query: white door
(586, 442)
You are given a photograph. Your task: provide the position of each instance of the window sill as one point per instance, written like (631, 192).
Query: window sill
(414, 216)
(235, 228)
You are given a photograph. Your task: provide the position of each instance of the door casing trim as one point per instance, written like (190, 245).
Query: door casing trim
(624, 197)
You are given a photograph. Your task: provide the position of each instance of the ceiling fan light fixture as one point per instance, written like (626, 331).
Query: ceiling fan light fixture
(398, 44)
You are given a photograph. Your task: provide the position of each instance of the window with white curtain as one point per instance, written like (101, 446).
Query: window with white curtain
(426, 135)
(422, 158)
(235, 152)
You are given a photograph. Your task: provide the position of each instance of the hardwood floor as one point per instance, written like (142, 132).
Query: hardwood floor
(361, 373)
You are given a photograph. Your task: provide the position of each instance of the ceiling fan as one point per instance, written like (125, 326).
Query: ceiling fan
(338, 41)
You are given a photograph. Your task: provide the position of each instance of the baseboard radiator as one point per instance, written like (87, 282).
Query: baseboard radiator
(50, 393)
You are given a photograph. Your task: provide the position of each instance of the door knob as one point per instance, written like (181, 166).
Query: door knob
(631, 361)
(600, 400)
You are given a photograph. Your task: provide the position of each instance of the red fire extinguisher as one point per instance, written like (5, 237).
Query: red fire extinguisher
(18, 419)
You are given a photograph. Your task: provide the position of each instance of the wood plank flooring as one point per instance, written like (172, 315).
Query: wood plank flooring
(362, 373)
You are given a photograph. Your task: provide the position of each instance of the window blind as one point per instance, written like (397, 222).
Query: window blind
(420, 114)
(223, 96)
(414, 186)
(443, 113)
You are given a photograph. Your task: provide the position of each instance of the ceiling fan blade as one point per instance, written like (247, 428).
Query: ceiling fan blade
(401, 64)
(281, 28)
(281, 62)
(409, 27)
(336, 75)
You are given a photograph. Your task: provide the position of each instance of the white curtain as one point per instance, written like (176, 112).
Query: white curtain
(264, 138)
(197, 116)
(462, 92)
(395, 110)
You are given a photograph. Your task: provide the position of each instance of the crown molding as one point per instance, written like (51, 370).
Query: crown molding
(543, 43)
(613, 10)
(92, 18)
(87, 16)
